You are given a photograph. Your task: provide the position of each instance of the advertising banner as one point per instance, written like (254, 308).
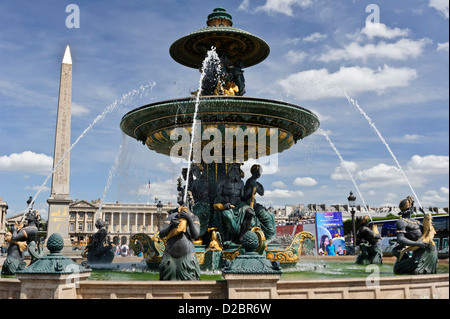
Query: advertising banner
(330, 234)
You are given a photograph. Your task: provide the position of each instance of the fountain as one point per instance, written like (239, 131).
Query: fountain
(251, 265)
(218, 131)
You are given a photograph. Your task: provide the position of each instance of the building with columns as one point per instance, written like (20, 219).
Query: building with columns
(3, 209)
(123, 220)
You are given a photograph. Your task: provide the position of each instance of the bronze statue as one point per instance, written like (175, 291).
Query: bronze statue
(99, 250)
(20, 239)
(199, 189)
(179, 261)
(236, 205)
(264, 218)
(367, 239)
(235, 216)
(412, 236)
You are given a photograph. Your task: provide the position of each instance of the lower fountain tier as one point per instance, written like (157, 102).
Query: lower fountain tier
(264, 123)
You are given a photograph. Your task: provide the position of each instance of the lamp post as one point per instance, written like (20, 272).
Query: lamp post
(159, 208)
(351, 203)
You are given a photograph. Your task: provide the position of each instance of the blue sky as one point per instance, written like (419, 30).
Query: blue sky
(396, 68)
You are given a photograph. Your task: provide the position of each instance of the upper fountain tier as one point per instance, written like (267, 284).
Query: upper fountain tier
(220, 106)
(238, 45)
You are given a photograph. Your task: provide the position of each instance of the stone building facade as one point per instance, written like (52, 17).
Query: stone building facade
(123, 220)
(3, 209)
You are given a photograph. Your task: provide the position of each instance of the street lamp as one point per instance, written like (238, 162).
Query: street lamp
(351, 203)
(159, 208)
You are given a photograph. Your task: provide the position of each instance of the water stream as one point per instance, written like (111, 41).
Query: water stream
(346, 168)
(211, 61)
(124, 100)
(355, 103)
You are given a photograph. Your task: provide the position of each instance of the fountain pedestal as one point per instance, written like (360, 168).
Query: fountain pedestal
(52, 277)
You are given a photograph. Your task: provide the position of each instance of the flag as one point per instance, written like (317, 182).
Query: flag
(148, 184)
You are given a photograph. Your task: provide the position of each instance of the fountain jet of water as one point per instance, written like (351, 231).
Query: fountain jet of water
(111, 174)
(355, 103)
(346, 168)
(125, 99)
(211, 61)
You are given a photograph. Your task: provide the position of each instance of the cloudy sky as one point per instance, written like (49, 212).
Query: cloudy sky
(372, 71)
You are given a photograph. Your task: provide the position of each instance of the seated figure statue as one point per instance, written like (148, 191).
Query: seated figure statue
(236, 209)
(412, 236)
(99, 250)
(233, 216)
(265, 220)
(369, 250)
(21, 239)
(179, 261)
(199, 189)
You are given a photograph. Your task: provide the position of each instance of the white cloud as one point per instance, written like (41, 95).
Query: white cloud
(441, 6)
(429, 165)
(442, 47)
(432, 197)
(412, 137)
(381, 175)
(391, 197)
(79, 110)
(295, 57)
(318, 84)
(27, 161)
(305, 181)
(281, 6)
(283, 193)
(400, 50)
(38, 188)
(279, 184)
(418, 171)
(244, 5)
(380, 30)
(342, 171)
(315, 37)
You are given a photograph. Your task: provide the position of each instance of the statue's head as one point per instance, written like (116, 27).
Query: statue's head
(33, 216)
(256, 170)
(197, 170)
(365, 220)
(234, 171)
(100, 223)
(406, 205)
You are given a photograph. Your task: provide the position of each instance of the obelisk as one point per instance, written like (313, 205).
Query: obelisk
(59, 200)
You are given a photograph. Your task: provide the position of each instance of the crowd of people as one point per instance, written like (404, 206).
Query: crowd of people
(297, 221)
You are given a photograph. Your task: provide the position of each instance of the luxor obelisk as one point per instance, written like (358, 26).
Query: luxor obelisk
(59, 200)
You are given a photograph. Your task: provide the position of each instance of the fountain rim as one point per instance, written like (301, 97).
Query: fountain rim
(301, 121)
(219, 97)
(176, 48)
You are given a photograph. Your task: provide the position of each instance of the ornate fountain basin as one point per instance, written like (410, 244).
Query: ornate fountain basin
(153, 124)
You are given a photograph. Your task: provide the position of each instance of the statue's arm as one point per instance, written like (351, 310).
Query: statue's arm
(193, 223)
(401, 236)
(260, 189)
(19, 235)
(167, 226)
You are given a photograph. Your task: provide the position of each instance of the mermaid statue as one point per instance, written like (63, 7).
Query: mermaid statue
(367, 238)
(416, 238)
(179, 261)
(99, 249)
(22, 239)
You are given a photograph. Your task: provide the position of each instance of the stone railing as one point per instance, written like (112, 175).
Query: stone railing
(396, 287)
